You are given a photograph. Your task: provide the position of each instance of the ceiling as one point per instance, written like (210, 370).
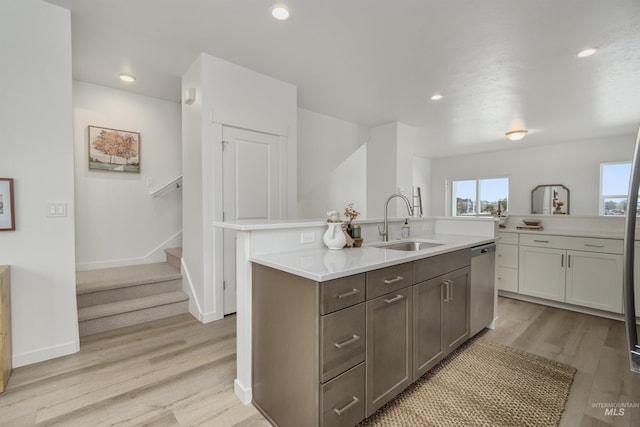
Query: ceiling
(500, 64)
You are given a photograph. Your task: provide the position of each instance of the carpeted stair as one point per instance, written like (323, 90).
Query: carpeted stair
(113, 298)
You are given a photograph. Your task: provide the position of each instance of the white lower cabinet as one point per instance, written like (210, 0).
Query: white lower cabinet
(594, 280)
(552, 270)
(542, 272)
(507, 267)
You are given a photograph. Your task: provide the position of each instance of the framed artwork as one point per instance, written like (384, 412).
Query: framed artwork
(114, 150)
(7, 212)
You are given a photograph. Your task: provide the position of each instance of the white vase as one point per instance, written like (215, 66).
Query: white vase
(334, 237)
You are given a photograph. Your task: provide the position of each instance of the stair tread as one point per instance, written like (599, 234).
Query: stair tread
(120, 277)
(119, 307)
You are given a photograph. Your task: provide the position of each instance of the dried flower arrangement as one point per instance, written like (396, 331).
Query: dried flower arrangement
(350, 213)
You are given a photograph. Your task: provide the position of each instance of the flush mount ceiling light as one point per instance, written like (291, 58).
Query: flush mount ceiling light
(127, 78)
(516, 135)
(586, 52)
(280, 11)
(436, 97)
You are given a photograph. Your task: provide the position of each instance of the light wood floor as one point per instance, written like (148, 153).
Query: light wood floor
(178, 372)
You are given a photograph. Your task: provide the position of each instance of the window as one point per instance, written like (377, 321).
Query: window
(614, 186)
(479, 196)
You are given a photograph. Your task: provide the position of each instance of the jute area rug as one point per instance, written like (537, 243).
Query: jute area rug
(482, 384)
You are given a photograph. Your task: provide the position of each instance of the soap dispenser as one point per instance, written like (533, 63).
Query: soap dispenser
(405, 229)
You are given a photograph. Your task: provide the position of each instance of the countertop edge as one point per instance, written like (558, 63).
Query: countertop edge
(397, 257)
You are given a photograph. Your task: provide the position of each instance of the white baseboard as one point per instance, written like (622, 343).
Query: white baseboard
(155, 255)
(158, 254)
(46, 353)
(244, 393)
(194, 305)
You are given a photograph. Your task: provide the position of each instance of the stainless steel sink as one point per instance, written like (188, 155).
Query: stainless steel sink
(408, 245)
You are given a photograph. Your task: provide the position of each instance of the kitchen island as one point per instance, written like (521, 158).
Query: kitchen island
(297, 249)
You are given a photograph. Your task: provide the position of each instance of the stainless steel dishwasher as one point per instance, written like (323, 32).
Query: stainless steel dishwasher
(482, 298)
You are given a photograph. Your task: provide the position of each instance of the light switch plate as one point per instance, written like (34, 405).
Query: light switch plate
(56, 209)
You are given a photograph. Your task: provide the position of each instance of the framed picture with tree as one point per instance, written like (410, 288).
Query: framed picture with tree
(114, 150)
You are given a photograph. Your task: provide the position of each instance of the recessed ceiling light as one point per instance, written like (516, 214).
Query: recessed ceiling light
(516, 135)
(127, 78)
(436, 97)
(280, 11)
(586, 52)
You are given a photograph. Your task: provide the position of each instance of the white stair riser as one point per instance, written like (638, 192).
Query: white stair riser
(123, 294)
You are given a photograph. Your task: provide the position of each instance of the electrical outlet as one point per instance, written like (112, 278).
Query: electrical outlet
(307, 238)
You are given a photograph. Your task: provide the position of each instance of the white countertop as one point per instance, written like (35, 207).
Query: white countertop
(322, 264)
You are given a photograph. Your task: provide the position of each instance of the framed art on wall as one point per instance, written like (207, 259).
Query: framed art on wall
(7, 212)
(114, 150)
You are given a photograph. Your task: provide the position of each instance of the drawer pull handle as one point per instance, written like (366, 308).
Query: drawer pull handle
(347, 342)
(394, 299)
(348, 294)
(346, 407)
(390, 281)
(541, 241)
(593, 246)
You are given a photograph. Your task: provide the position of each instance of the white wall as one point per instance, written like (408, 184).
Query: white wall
(574, 164)
(331, 165)
(117, 222)
(226, 94)
(422, 179)
(381, 169)
(36, 149)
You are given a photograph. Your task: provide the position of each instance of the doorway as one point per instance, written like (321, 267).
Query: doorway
(251, 187)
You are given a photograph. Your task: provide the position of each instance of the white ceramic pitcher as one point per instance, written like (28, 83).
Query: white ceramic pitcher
(334, 237)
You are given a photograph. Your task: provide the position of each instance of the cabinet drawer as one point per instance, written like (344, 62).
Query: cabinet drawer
(342, 399)
(341, 293)
(428, 268)
(507, 279)
(592, 244)
(508, 238)
(389, 279)
(543, 240)
(343, 340)
(587, 244)
(507, 256)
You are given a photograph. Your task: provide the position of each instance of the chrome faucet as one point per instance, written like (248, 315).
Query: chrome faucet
(385, 230)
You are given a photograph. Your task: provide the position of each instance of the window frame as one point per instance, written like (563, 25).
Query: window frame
(451, 203)
(602, 197)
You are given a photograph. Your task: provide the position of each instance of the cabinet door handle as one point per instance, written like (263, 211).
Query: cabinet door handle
(569, 261)
(394, 299)
(450, 283)
(347, 294)
(447, 290)
(593, 246)
(351, 340)
(390, 281)
(562, 261)
(354, 401)
(540, 241)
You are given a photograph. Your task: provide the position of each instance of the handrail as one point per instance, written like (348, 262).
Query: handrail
(177, 182)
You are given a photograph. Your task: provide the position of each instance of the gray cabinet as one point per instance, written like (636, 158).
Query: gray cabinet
(440, 319)
(329, 354)
(308, 367)
(389, 337)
